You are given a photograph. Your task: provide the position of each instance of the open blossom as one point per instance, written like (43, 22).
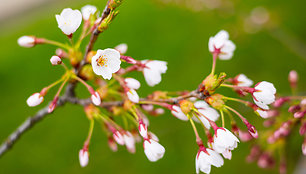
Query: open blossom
(153, 150)
(224, 142)
(106, 62)
(207, 111)
(69, 20)
(243, 80)
(178, 113)
(221, 45)
(122, 48)
(264, 94)
(205, 159)
(35, 99)
(153, 70)
(129, 142)
(26, 41)
(55, 60)
(95, 98)
(83, 157)
(88, 10)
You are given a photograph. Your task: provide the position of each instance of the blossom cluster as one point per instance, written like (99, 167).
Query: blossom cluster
(115, 104)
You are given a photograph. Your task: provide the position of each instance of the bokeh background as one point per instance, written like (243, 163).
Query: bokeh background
(269, 36)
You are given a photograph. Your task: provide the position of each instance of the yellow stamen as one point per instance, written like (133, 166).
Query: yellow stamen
(102, 61)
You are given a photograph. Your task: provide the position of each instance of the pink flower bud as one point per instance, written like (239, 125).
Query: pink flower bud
(304, 147)
(272, 113)
(299, 114)
(128, 59)
(35, 99)
(55, 60)
(26, 41)
(279, 102)
(53, 104)
(294, 108)
(268, 123)
(83, 157)
(245, 136)
(293, 78)
(61, 53)
(252, 130)
(143, 130)
(147, 107)
(302, 129)
(254, 153)
(122, 48)
(95, 98)
(112, 144)
(159, 111)
(265, 161)
(118, 138)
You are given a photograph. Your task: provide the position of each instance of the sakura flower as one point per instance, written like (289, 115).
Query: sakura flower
(264, 94)
(206, 158)
(207, 111)
(83, 157)
(118, 137)
(95, 98)
(224, 140)
(122, 48)
(129, 142)
(221, 45)
(69, 20)
(35, 99)
(143, 130)
(88, 10)
(153, 150)
(153, 70)
(106, 62)
(178, 113)
(55, 60)
(26, 41)
(243, 80)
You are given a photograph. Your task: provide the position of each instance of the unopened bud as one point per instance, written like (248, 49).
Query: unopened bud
(122, 48)
(83, 157)
(293, 78)
(299, 114)
(95, 98)
(55, 60)
(279, 102)
(35, 99)
(53, 105)
(26, 41)
(112, 144)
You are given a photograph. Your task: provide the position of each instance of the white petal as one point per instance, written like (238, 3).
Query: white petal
(35, 100)
(132, 83)
(178, 113)
(133, 96)
(88, 10)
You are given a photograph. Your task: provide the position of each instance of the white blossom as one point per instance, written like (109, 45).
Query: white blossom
(224, 140)
(178, 113)
(35, 99)
(207, 111)
(262, 113)
(153, 150)
(55, 60)
(106, 62)
(26, 41)
(129, 142)
(69, 20)
(88, 10)
(95, 98)
(143, 130)
(83, 157)
(243, 80)
(122, 48)
(264, 94)
(118, 137)
(132, 96)
(132, 83)
(221, 44)
(204, 160)
(153, 70)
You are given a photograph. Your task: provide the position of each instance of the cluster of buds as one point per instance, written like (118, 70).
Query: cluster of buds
(114, 101)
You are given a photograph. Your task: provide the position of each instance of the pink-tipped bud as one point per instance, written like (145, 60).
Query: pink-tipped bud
(61, 53)
(55, 60)
(279, 102)
(118, 137)
(53, 104)
(147, 107)
(272, 113)
(268, 123)
(293, 78)
(252, 130)
(302, 129)
(83, 157)
(112, 144)
(299, 114)
(129, 142)
(26, 41)
(271, 139)
(294, 108)
(35, 99)
(143, 130)
(122, 48)
(95, 98)
(159, 111)
(304, 147)
(132, 83)
(128, 60)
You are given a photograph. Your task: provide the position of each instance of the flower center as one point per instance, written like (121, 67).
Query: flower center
(101, 61)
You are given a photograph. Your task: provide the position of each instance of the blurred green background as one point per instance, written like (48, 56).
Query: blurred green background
(176, 31)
